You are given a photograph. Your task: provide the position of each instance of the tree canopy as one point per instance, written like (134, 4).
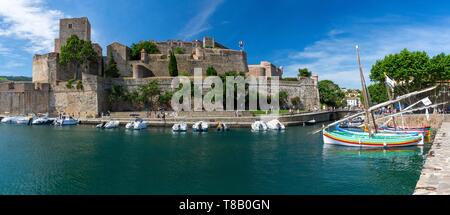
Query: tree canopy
(173, 65)
(378, 93)
(78, 53)
(412, 70)
(111, 70)
(330, 94)
(283, 99)
(149, 47)
(304, 73)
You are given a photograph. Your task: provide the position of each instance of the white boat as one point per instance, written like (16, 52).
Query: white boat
(101, 125)
(179, 127)
(44, 120)
(9, 120)
(138, 124)
(23, 120)
(112, 124)
(275, 124)
(259, 126)
(222, 126)
(66, 120)
(200, 126)
(311, 122)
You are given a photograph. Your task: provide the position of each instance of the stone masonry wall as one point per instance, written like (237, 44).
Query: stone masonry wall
(23, 98)
(305, 89)
(223, 60)
(45, 68)
(84, 103)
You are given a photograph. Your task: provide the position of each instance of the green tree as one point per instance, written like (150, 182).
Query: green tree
(304, 73)
(78, 53)
(173, 67)
(165, 99)
(330, 94)
(440, 67)
(411, 69)
(69, 83)
(283, 99)
(149, 92)
(378, 92)
(80, 85)
(117, 93)
(179, 50)
(296, 102)
(111, 70)
(211, 71)
(149, 47)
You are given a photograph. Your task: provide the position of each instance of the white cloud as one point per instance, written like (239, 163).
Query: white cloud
(199, 23)
(12, 65)
(30, 20)
(334, 57)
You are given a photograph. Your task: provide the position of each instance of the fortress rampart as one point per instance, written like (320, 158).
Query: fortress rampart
(48, 91)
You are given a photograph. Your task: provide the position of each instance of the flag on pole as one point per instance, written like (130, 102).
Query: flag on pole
(241, 45)
(426, 101)
(391, 83)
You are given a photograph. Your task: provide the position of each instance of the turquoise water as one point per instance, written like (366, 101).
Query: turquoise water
(84, 160)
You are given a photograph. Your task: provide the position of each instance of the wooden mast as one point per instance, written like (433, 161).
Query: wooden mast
(365, 96)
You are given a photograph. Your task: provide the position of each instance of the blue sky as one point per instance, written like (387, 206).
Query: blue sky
(320, 35)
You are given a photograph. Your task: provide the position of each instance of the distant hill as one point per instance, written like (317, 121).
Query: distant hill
(15, 78)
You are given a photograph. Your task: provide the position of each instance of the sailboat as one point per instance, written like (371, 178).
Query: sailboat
(370, 138)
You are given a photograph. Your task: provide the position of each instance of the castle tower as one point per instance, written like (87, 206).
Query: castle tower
(73, 26)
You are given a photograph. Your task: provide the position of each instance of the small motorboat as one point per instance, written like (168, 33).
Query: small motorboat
(138, 124)
(179, 127)
(275, 124)
(101, 125)
(9, 120)
(259, 126)
(43, 120)
(111, 125)
(66, 120)
(200, 126)
(222, 126)
(24, 120)
(311, 122)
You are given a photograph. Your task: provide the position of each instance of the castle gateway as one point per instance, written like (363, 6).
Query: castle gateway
(48, 91)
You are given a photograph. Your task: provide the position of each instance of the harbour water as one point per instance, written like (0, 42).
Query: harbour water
(84, 160)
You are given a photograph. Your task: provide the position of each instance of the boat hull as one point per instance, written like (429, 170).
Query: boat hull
(329, 138)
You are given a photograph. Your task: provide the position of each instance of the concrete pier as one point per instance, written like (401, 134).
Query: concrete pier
(231, 121)
(435, 177)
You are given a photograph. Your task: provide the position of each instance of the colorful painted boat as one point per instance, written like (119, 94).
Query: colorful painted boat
(359, 131)
(337, 137)
(426, 130)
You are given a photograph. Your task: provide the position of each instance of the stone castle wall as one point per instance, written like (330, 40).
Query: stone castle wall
(24, 98)
(85, 103)
(223, 60)
(68, 27)
(45, 68)
(306, 89)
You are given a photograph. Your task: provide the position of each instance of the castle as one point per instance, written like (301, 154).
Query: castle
(48, 92)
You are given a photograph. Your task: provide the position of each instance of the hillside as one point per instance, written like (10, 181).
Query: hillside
(15, 78)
